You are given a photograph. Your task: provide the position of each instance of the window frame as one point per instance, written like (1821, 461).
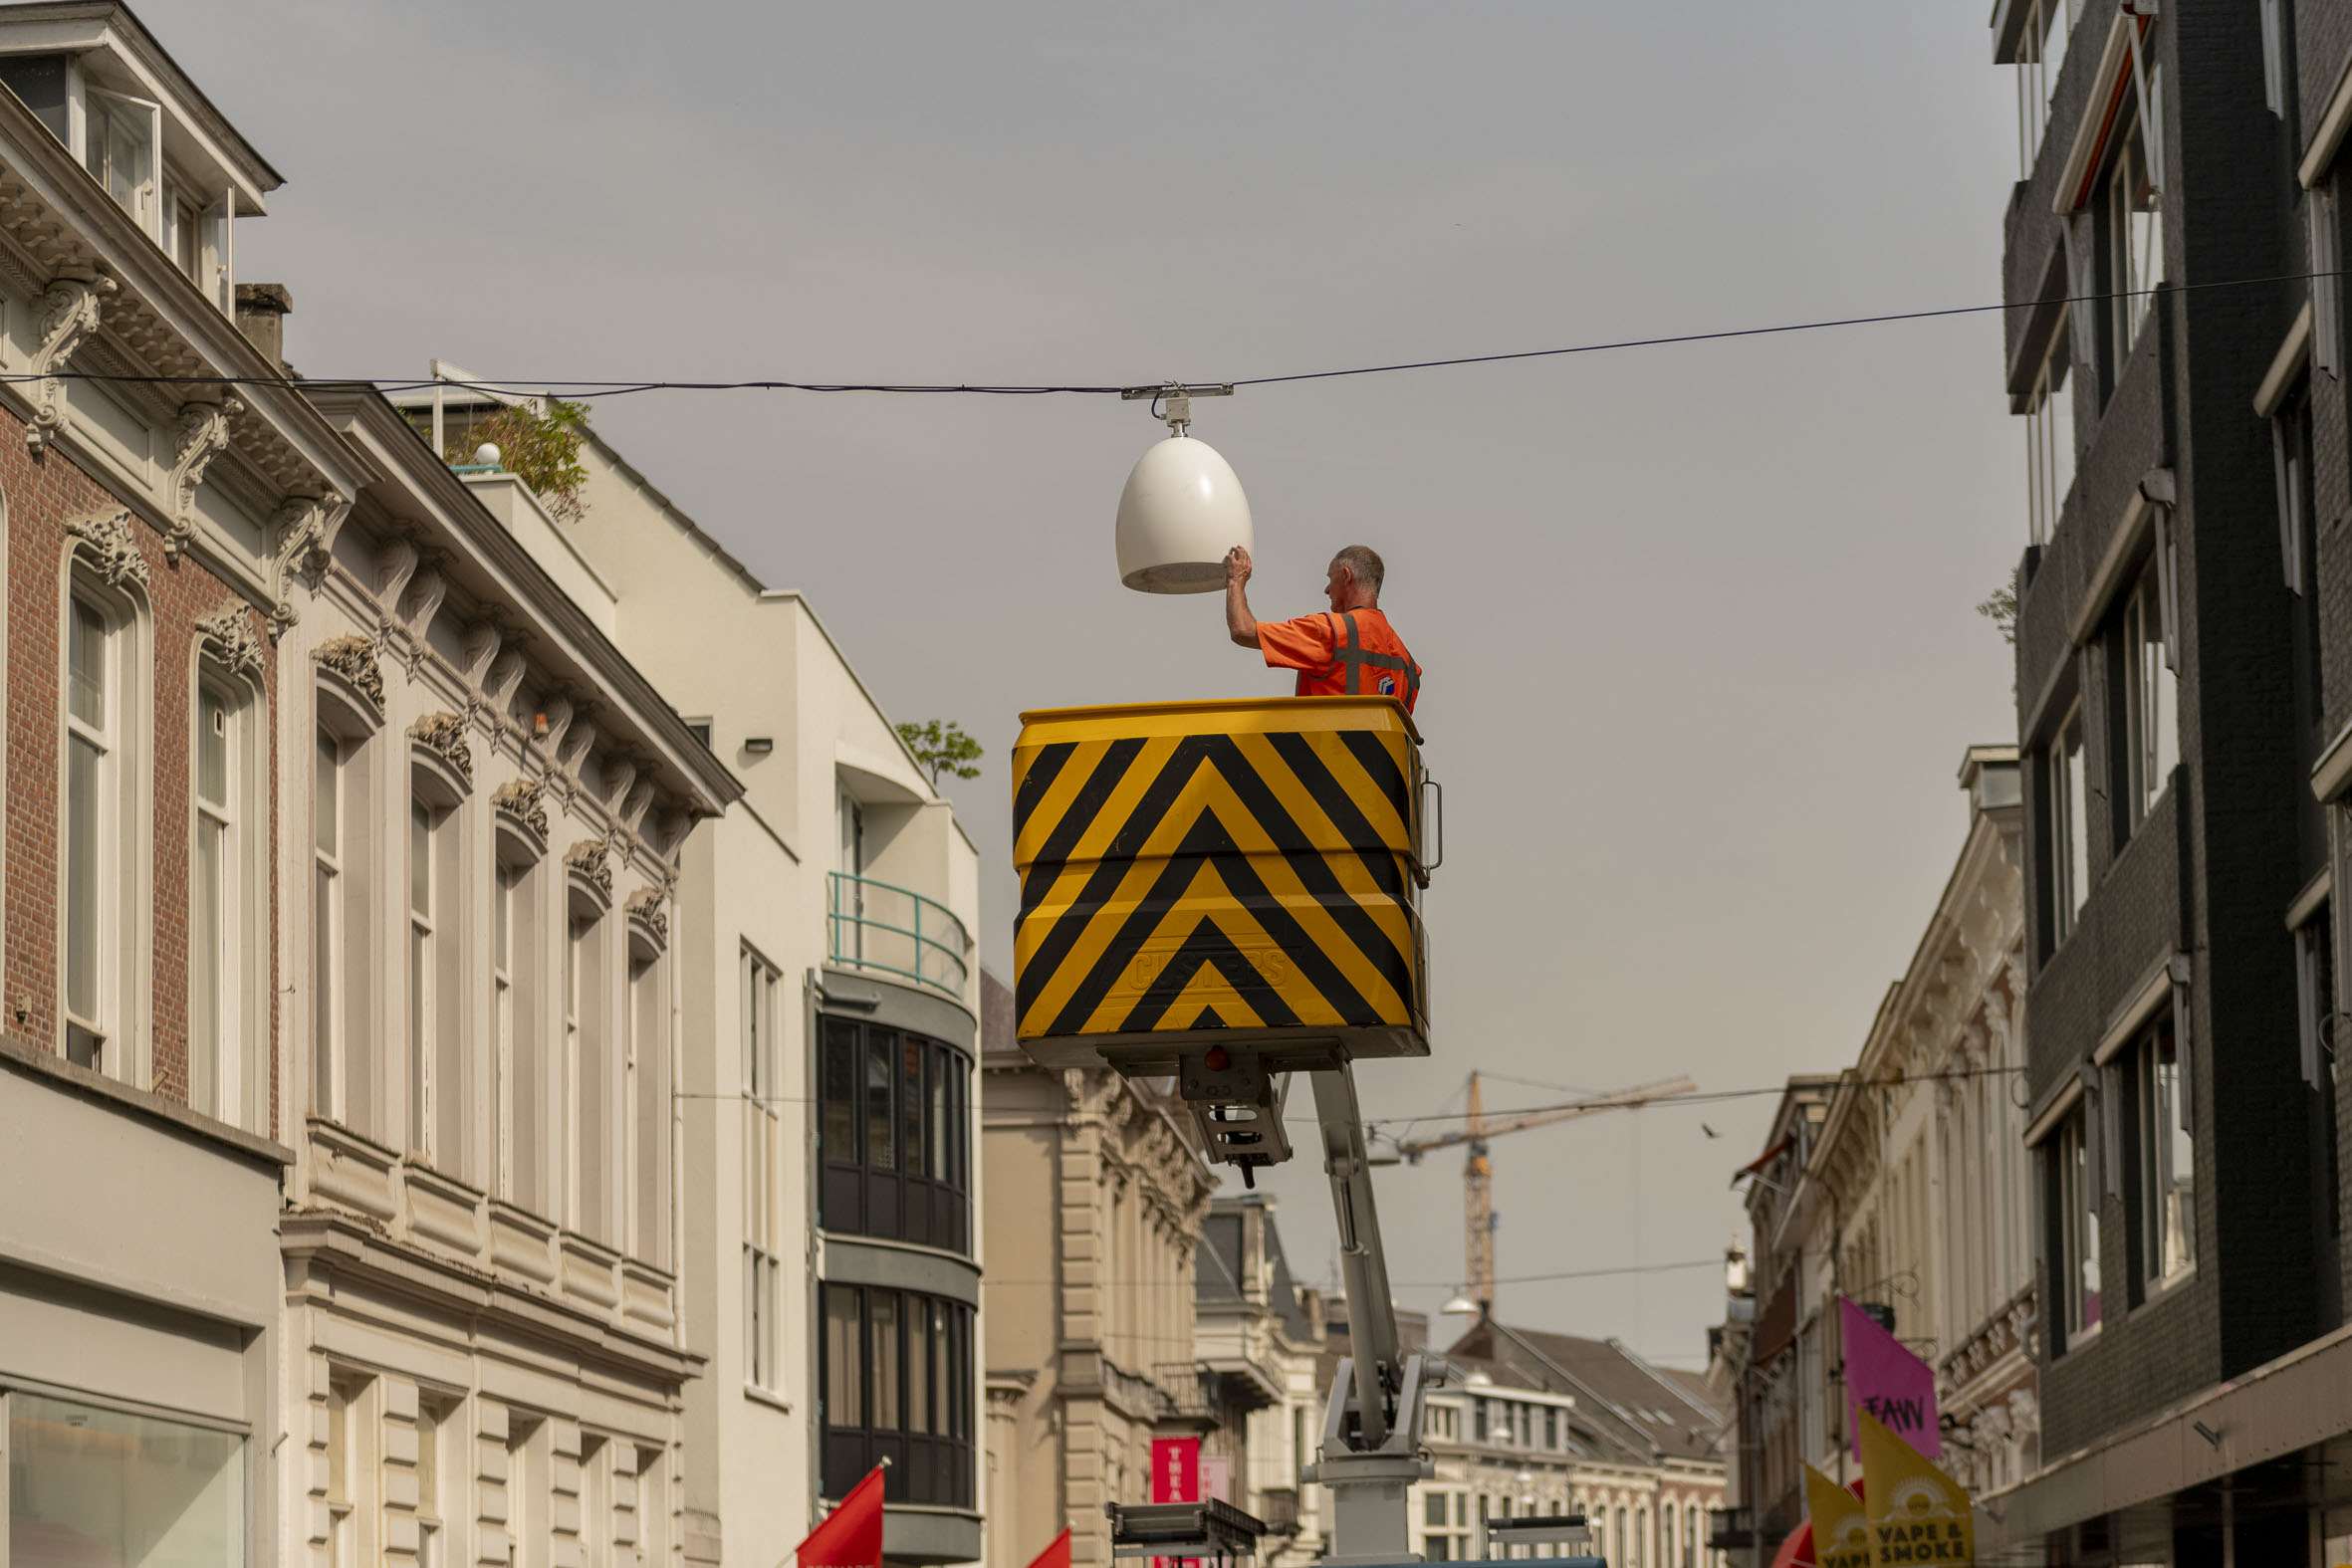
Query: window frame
(99, 108)
(329, 898)
(2293, 438)
(2131, 260)
(2051, 435)
(934, 1468)
(2063, 787)
(2038, 69)
(2070, 1188)
(2160, 1124)
(902, 1199)
(588, 1062)
(123, 843)
(763, 1170)
(230, 1079)
(444, 1120)
(2145, 724)
(2317, 945)
(425, 895)
(647, 1054)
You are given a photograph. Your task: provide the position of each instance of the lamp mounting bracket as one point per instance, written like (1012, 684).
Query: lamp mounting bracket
(1179, 396)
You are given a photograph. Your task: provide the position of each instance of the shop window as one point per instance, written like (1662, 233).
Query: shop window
(92, 1486)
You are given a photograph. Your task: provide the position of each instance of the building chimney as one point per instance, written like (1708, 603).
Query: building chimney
(261, 316)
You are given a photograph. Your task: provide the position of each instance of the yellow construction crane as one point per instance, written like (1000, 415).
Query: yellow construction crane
(1477, 1170)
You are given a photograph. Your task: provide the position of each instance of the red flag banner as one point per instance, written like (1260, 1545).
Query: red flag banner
(851, 1535)
(1056, 1555)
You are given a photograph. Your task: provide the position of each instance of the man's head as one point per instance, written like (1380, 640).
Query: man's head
(1354, 579)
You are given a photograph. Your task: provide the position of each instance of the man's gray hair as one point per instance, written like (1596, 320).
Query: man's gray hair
(1365, 561)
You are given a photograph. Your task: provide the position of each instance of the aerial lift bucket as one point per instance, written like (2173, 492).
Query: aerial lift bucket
(1229, 894)
(1234, 876)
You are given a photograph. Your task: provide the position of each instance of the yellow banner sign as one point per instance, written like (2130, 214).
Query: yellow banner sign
(1841, 1531)
(1920, 1517)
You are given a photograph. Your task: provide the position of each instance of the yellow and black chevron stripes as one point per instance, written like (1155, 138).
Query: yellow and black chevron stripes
(1254, 877)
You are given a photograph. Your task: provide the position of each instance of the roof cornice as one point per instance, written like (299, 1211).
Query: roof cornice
(410, 462)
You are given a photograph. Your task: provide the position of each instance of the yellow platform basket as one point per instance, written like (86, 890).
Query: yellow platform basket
(1242, 871)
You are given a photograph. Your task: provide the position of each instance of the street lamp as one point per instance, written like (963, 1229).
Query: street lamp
(1459, 1306)
(1183, 506)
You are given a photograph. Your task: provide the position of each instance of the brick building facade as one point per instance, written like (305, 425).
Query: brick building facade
(145, 509)
(2183, 654)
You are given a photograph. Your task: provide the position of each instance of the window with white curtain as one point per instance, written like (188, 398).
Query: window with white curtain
(350, 1003)
(502, 1017)
(424, 897)
(588, 1030)
(92, 831)
(104, 831)
(227, 859)
(646, 1103)
(328, 886)
(518, 1018)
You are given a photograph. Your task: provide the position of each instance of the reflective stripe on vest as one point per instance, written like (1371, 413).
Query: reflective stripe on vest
(1354, 656)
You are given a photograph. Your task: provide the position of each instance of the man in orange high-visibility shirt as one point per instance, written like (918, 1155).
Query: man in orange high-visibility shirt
(1349, 651)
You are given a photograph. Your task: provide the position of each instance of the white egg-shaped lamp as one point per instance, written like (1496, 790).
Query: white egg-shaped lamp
(1182, 510)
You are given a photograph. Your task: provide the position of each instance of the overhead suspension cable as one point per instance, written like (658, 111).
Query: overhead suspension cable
(580, 389)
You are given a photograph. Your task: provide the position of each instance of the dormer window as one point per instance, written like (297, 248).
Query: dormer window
(121, 145)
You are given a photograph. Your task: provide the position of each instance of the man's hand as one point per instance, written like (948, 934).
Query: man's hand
(1237, 566)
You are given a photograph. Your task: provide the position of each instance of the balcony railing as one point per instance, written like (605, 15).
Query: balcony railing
(895, 931)
(1278, 1508)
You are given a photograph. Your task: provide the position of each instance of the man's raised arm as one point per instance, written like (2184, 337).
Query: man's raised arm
(1239, 625)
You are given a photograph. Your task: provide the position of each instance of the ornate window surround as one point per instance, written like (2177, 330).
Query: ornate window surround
(229, 659)
(347, 705)
(102, 565)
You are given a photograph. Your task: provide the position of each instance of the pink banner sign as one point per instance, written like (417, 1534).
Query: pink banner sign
(1889, 1382)
(1175, 1477)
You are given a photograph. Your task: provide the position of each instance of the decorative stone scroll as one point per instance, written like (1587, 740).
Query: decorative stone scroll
(69, 315)
(352, 661)
(442, 733)
(523, 800)
(105, 540)
(203, 436)
(302, 532)
(229, 633)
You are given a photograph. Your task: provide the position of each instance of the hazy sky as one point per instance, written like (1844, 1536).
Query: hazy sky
(1696, 620)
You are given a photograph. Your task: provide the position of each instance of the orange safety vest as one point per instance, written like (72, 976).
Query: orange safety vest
(1370, 659)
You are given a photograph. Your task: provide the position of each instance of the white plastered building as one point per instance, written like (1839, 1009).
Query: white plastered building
(830, 1034)
(485, 1328)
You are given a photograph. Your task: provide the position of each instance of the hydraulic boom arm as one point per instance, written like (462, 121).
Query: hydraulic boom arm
(1372, 1450)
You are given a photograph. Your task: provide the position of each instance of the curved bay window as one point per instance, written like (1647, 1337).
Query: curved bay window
(896, 1376)
(897, 1161)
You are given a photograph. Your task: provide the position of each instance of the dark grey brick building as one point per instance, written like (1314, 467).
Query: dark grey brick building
(2184, 682)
